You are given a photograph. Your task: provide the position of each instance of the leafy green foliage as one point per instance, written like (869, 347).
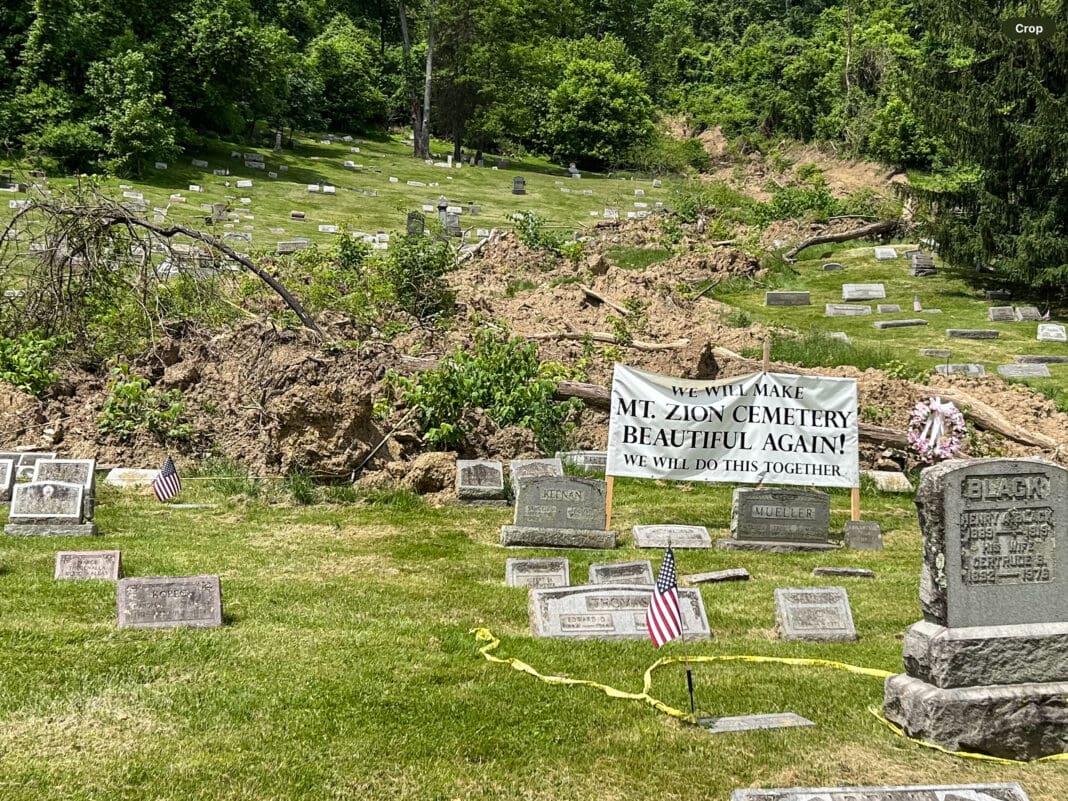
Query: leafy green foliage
(534, 232)
(133, 405)
(415, 268)
(499, 375)
(26, 362)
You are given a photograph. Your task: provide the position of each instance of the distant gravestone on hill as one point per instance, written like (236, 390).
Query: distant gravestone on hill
(1027, 314)
(783, 298)
(971, 333)
(559, 512)
(1000, 314)
(845, 310)
(169, 602)
(969, 369)
(608, 612)
(1048, 332)
(885, 254)
(88, 565)
(519, 185)
(779, 520)
(49, 508)
(540, 573)
(851, 292)
(479, 479)
(819, 614)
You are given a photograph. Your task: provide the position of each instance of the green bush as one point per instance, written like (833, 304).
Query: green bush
(133, 405)
(503, 377)
(533, 232)
(414, 270)
(26, 362)
(71, 146)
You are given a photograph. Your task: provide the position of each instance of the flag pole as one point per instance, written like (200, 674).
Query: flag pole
(682, 642)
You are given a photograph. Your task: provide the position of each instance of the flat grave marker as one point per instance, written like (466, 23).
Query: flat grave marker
(852, 292)
(661, 536)
(1049, 332)
(973, 370)
(1023, 371)
(539, 573)
(1027, 314)
(775, 720)
(719, 576)
(885, 254)
(972, 333)
(843, 572)
(845, 310)
(608, 612)
(925, 792)
(817, 614)
(885, 324)
(169, 601)
(88, 565)
(888, 308)
(637, 572)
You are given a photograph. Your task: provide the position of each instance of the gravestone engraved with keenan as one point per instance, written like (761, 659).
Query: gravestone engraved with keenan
(608, 612)
(87, 565)
(540, 573)
(169, 602)
(559, 512)
(479, 479)
(987, 667)
(947, 792)
(638, 572)
(973, 370)
(663, 536)
(819, 614)
(48, 508)
(972, 333)
(779, 520)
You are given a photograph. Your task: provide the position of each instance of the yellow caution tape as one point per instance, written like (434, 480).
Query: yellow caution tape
(491, 644)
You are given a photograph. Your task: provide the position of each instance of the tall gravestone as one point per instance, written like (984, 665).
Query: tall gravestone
(48, 508)
(779, 520)
(479, 480)
(987, 667)
(559, 512)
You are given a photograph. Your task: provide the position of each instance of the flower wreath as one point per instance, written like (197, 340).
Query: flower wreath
(936, 430)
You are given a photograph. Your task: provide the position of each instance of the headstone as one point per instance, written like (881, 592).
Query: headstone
(987, 667)
(971, 333)
(7, 478)
(200, 163)
(1000, 314)
(841, 336)
(541, 573)
(639, 572)
(863, 292)
(291, 247)
(885, 324)
(520, 469)
(818, 614)
(327, 229)
(998, 294)
(832, 266)
(611, 214)
(936, 353)
(608, 612)
(70, 471)
(639, 193)
(103, 565)
(479, 479)
(1027, 314)
(845, 310)
(885, 254)
(416, 223)
(169, 602)
(927, 792)
(28, 460)
(519, 185)
(888, 308)
(195, 188)
(161, 165)
(221, 174)
(1048, 332)
(590, 461)
(50, 508)
(675, 536)
(969, 369)
(560, 512)
(1040, 359)
(1023, 371)
(863, 535)
(888, 480)
(718, 576)
(244, 184)
(129, 477)
(781, 298)
(296, 215)
(843, 572)
(779, 520)
(776, 720)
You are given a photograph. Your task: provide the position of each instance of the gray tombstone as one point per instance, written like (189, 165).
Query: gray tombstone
(1023, 371)
(7, 479)
(972, 370)
(1048, 332)
(832, 266)
(520, 469)
(845, 310)
(48, 508)
(1000, 314)
(638, 572)
(927, 792)
(971, 333)
(863, 292)
(842, 572)
(674, 536)
(885, 254)
(169, 602)
(27, 460)
(987, 667)
(783, 298)
(884, 324)
(71, 471)
(936, 353)
(888, 308)
(590, 461)
(1028, 359)
(86, 565)
(766, 722)
(519, 185)
(542, 573)
(863, 535)
(718, 576)
(479, 479)
(1027, 314)
(818, 614)
(416, 223)
(559, 512)
(608, 612)
(779, 520)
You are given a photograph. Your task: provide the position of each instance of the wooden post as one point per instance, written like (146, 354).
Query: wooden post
(854, 504)
(609, 491)
(767, 354)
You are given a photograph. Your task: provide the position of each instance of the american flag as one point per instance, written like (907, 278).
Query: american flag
(663, 619)
(1046, 315)
(167, 483)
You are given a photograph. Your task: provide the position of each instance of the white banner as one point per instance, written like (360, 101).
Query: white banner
(770, 428)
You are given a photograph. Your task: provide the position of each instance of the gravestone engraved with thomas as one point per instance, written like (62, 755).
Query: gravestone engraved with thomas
(559, 512)
(70, 471)
(779, 520)
(927, 792)
(479, 479)
(608, 612)
(987, 667)
(540, 573)
(48, 508)
(639, 572)
(169, 601)
(101, 565)
(7, 479)
(521, 469)
(819, 614)
(664, 536)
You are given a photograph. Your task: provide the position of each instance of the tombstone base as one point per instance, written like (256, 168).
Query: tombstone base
(982, 655)
(774, 546)
(1020, 721)
(51, 529)
(497, 502)
(557, 537)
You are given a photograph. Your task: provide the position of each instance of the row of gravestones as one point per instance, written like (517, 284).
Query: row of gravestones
(59, 498)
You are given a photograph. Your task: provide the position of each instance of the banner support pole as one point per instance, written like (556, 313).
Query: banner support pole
(767, 354)
(609, 491)
(854, 504)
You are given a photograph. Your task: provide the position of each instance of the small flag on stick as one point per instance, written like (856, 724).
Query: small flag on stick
(663, 619)
(1046, 315)
(167, 483)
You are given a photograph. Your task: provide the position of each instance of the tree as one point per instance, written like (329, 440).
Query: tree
(344, 61)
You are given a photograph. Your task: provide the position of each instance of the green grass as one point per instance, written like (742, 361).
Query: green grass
(346, 669)
(627, 258)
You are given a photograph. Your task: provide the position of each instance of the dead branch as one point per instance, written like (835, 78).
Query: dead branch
(602, 336)
(588, 292)
(882, 227)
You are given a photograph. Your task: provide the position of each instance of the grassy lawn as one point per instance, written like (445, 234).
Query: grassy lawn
(346, 670)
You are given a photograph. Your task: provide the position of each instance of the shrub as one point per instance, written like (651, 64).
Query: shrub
(133, 405)
(26, 362)
(414, 269)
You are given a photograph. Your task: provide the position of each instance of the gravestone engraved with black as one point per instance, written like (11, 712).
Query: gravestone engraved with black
(48, 508)
(479, 479)
(559, 512)
(608, 612)
(884, 324)
(71, 471)
(7, 479)
(540, 573)
(696, 537)
(638, 572)
(169, 602)
(1027, 359)
(926, 792)
(987, 667)
(819, 614)
(843, 572)
(779, 520)
(520, 469)
(86, 565)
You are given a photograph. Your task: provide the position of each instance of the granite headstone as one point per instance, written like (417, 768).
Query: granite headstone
(863, 292)
(520, 469)
(559, 512)
(819, 614)
(638, 572)
(784, 298)
(169, 602)
(608, 612)
(479, 479)
(103, 565)
(48, 508)
(539, 573)
(779, 520)
(663, 536)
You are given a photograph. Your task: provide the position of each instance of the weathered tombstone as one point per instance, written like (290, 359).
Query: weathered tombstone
(673, 536)
(987, 667)
(971, 333)
(1027, 314)
(841, 336)
(1023, 371)
(590, 461)
(520, 469)
(998, 294)
(845, 310)
(519, 185)
(968, 369)
(818, 614)
(70, 471)
(50, 508)
(169, 602)
(843, 572)
(608, 612)
(1048, 332)
(936, 353)
(718, 576)
(885, 324)
(85, 565)
(888, 308)
(559, 512)
(832, 266)
(863, 292)
(416, 223)
(1030, 359)
(779, 520)
(296, 215)
(7, 478)
(130, 477)
(479, 480)
(200, 163)
(540, 573)
(639, 572)
(885, 254)
(1000, 314)
(27, 460)
(452, 224)
(947, 792)
(782, 298)
(863, 535)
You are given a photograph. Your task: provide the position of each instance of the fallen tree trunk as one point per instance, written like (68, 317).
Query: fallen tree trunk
(875, 229)
(588, 292)
(602, 336)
